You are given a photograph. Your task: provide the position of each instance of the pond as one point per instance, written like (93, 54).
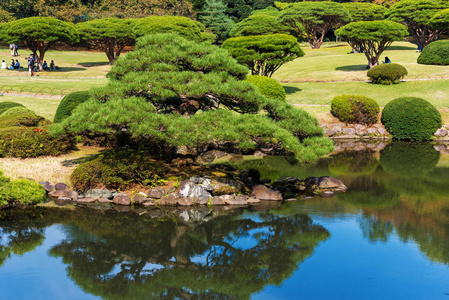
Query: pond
(387, 237)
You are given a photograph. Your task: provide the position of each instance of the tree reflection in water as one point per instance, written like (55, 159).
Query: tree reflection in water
(232, 256)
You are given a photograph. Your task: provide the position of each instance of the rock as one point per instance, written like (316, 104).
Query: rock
(382, 131)
(137, 199)
(327, 194)
(48, 187)
(188, 188)
(362, 132)
(349, 131)
(61, 186)
(156, 193)
(148, 203)
(441, 132)
(72, 195)
(330, 132)
(169, 199)
(104, 200)
(378, 125)
(97, 193)
(122, 199)
(64, 198)
(235, 201)
(264, 193)
(223, 186)
(324, 183)
(58, 193)
(143, 194)
(253, 200)
(186, 201)
(359, 127)
(291, 199)
(44, 182)
(337, 129)
(217, 201)
(87, 200)
(371, 130)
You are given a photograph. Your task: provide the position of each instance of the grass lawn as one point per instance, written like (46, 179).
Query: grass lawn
(43, 106)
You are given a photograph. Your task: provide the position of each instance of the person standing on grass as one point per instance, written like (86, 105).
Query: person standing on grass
(11, 48)
(31, 62)
(16, 50)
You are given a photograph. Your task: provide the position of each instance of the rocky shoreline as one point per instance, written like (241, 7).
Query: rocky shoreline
(202, 191)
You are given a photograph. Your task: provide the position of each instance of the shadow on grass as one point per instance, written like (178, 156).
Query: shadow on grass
(352, 68)
(78, 161)
(401, 48)
(93, 64)
(61, 70)
(291, 89)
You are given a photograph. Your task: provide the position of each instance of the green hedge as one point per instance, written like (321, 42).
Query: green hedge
(355, 109)
(411, 118)
(4, 106)
(387, 74)
(117, 169)
(269, 87)
(23, 191)
(16, 110)
(69, 103)
(436, 53)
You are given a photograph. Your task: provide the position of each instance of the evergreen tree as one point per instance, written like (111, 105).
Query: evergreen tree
(215, 19)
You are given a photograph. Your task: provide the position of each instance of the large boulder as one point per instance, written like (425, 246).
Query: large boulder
(188, 188)
(324, 183)
(265, 193)
(122, 199)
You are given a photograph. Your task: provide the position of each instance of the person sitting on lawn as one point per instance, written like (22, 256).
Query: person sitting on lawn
(17, 65)
(11, 66)
(45, 66)
(387, 60)
(3, 66)
(53, 66)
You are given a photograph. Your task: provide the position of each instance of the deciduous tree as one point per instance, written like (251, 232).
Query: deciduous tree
(317, 18)
(416, 15)
(110, 35)
(264, 54)
(373, 36)
(38, 33)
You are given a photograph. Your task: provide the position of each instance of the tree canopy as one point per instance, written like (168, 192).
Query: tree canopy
(214, 18)
(317, 18)
(110, 35)
(441, 20)
(153, 89)
(373, 36)
(416, 15)
(362, 11)
(260, 22)
(38, 33)
(264, 54)
(169, 24)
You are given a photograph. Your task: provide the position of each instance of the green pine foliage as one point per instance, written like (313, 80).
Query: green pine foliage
(362, 11)
(181, 93)
(192, 30)
(22, 191)
(268, 87)
(436, 53)
(264, 54)
(17, 110)
(214, 18)
(387, 74)
(261, 22)
(69, 103)
(440, 20)
(354, 109)
(411, 118)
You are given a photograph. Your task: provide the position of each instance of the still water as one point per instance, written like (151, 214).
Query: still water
(387, 237)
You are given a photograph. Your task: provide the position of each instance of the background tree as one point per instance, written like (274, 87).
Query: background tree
(110, 35)
(361, 11)
(38, 33)
(5, 16)
(440, 20)
(373, 36)
(65, 10)
(416, 15)
(155, 92)
(264, 54)
(20, 8)
(214, 18)
(317, 18)
(169, 24)
(261, 22)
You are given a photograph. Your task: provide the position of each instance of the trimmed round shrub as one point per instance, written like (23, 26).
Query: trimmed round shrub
(411, 118)
(436, 53)
(17, 110)
(269, 87)
(387, 74)
(69, 103)
(4, 106)
(355, 109)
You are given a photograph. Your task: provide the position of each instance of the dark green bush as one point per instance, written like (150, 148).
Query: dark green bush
(117, 169)
(23, 191)
(269, 87)
(436, 53)
(411, 118)
(16, 110)
(4, 106)
(69, 103)
(355, 109)
(387, 74)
